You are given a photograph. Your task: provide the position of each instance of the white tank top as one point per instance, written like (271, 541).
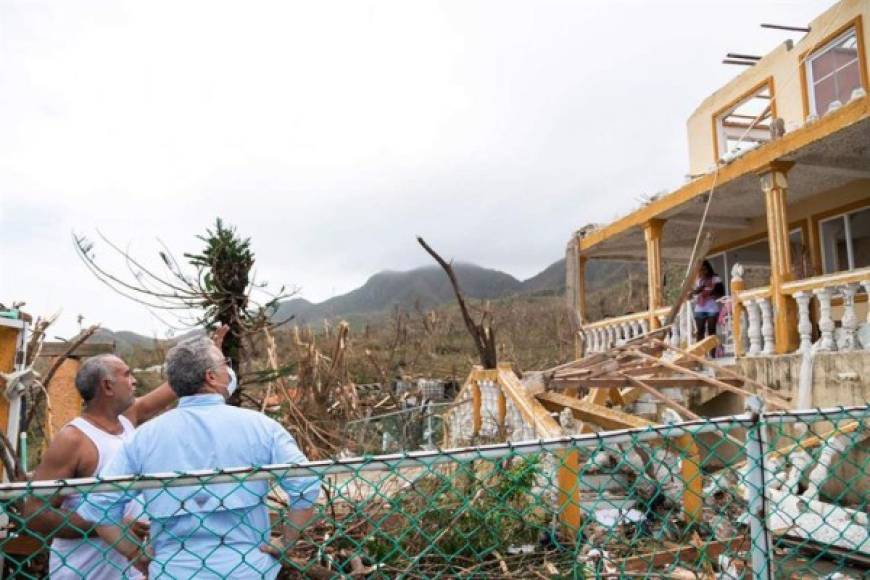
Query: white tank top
(93, 558)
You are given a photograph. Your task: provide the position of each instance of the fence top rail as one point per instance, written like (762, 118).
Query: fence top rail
(827, 281)
(10, 491)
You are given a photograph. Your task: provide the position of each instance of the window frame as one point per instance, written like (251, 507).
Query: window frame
(847, 231)
(769, 83)
(855, 24)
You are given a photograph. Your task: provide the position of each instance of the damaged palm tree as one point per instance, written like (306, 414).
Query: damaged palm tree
(216, 286)
(482, 333)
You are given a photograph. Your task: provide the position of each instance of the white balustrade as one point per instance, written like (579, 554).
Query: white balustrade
(626, 330)
(675, 331)
(753, 312)
(689, 323)
(849, 322)
(767, 332)
(826, 323)
(805, 325)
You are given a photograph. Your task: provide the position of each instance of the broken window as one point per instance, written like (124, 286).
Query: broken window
(747, 123)
(833, 72)
(846, 241)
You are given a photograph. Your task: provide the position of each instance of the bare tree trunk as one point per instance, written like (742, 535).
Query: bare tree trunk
(481, 333)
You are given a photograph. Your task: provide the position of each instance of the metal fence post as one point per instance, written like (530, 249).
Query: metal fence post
(756, 485)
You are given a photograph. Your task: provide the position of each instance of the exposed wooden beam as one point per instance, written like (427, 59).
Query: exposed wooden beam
(590, 412)
(714, 222)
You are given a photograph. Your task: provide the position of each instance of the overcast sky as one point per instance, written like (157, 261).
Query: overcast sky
(333, 132)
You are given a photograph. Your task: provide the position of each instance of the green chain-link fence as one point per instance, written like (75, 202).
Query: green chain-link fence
(784, 495)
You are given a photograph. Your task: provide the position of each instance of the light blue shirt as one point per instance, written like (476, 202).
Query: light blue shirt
(212, 530)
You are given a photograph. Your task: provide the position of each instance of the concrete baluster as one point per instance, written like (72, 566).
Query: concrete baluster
(626, 331)
(850, 321)
(805, 326)
(675, 330)
(826, 323)
(769, 346)
(644, 326)
(689, 323)
(754, 331)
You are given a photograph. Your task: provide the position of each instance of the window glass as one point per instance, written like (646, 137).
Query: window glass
(834, 72)
(859, 223)
(833, 233)
(800, 258)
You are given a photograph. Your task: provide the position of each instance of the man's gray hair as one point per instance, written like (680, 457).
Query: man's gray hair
(92, 373)
(186, 364)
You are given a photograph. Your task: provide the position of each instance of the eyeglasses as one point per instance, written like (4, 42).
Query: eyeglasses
(227, 361)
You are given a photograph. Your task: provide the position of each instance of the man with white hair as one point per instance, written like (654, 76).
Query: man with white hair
(81, 449)
(207, 530)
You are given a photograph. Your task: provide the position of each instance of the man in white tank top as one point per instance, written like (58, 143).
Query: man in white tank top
(80, 449)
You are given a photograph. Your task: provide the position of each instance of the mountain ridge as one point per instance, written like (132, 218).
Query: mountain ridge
(426, 286)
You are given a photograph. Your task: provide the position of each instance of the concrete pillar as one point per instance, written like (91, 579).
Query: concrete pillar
(580, 298)
(652, 234)
(775, 187)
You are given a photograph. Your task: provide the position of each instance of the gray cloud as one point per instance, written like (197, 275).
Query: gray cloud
(333, 132)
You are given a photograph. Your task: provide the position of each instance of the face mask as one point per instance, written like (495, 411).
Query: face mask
(233, 384)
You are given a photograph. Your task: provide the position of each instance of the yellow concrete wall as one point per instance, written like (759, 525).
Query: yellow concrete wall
(784, 66)
(8, 348)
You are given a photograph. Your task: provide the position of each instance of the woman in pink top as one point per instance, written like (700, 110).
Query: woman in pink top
(708, 290)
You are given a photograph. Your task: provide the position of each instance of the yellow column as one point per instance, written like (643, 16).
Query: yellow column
(476, 417)
(775, 187)
(652, 233)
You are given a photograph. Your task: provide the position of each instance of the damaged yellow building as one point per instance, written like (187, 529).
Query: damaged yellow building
(782, 155)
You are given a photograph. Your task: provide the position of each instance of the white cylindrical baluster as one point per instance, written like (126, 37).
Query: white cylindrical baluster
(663, 320)
(611, 338)
(688, 330)
(826, 323)
(626, 331)
(754, 331)
(640, 327)
(805, 326)
(599, 340)
(591, 334)
(766, 326)
(850, 321)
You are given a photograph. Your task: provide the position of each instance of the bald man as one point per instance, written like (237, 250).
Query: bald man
(80, 449)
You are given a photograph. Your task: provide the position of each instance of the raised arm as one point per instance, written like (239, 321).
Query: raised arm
(44, 515)
(147, 406)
